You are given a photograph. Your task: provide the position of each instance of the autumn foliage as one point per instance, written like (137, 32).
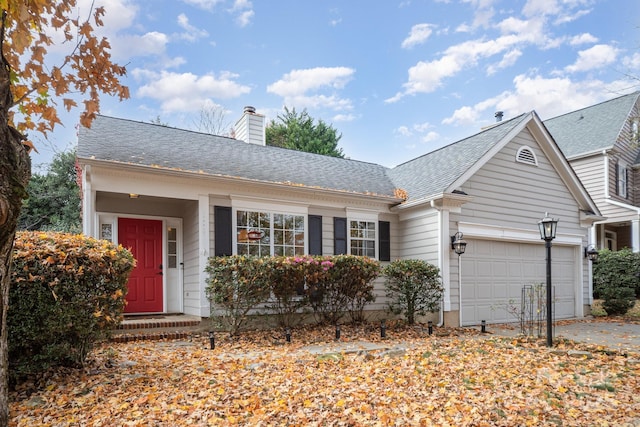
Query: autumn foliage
(67, 292)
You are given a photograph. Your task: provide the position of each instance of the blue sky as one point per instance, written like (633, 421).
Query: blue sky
(397, 78)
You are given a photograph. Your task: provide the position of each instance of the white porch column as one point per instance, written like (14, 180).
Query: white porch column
(635, 235)
(204, 246)
(88, 204)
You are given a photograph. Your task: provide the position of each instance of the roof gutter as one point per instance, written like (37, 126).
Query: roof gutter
(436, 201)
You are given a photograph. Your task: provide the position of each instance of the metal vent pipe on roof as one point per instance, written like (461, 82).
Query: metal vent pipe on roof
(498, 116)
(249, 109)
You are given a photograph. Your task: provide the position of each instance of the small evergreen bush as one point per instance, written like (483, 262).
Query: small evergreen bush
(414, 287)
(236, 285)
(616, 269)
(347, 288)
(67, 292)
(617, 301)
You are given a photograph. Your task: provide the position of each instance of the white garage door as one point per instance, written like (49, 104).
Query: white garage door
(494, 273)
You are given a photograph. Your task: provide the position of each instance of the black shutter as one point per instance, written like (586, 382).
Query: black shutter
(626, 182)
(315, 235)
(223, 231)
(384, 241)
(617, 180)
(339, 236)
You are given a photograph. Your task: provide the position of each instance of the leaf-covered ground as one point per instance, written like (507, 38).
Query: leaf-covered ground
(459, 378)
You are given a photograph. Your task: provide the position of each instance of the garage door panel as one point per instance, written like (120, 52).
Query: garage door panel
(493, 274)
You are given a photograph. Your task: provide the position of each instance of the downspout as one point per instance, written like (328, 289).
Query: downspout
(443, 218)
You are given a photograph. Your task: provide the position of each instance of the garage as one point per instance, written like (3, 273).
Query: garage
(494, 272)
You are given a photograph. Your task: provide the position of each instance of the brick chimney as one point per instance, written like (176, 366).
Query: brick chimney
(250, 127)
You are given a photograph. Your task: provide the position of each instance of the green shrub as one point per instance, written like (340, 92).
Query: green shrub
(292, 279)
(413, 286)
(347, 288)
(619, 269)
(67, 291)
(236, 285)
(617, 301)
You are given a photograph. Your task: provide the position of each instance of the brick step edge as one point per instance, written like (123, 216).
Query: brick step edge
(122, 338)
(157, 325)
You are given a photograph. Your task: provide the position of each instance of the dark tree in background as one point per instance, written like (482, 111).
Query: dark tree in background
(299, 131)
(54, 198)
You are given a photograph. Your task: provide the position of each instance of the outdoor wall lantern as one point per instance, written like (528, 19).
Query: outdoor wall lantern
(591, 253)
(548, 227)
(458, 244)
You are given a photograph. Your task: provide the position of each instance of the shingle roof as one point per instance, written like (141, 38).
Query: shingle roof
(130, 142)
(145, 144)
(434, 172)
(593, 128)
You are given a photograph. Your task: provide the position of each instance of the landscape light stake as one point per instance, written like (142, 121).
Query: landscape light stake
(212, 340)
(337, 332)
(383, 329)
(430, 327)
(483, 326)
(287, 334)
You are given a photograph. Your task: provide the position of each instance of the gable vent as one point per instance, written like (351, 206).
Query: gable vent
(526, 155)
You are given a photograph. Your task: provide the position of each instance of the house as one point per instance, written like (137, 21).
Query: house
(601, 143)
(177, 197)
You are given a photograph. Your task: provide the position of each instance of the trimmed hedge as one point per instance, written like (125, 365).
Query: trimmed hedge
(67, 291)
(287, 286)
(616, 269)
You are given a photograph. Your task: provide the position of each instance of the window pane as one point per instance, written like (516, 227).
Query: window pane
(171, 233)
(278, 237)
(278, 221)
(173, 261)
(171, 248)
(299, 223)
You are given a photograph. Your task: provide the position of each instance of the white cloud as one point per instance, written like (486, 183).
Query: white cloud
(404, 131)
(244, 18)
(430, 136)
(178, 92)
(508, 59)
(419, 34)
(295, 86)
(632, 63)
(597, 56)
(549, 97)
(148, 44)
(344, 117)
(244, 9)
(584, 38)
(203, 4)
(192, 33)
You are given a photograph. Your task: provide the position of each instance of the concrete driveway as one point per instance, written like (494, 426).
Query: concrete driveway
(621, 336)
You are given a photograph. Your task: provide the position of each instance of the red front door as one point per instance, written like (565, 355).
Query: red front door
(143, 238)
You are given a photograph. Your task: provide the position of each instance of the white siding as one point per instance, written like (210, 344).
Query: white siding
(418, 237)
(512, 195)
(191, 261)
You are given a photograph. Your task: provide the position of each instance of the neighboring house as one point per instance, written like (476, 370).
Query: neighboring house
(177, 197)
(601, 143)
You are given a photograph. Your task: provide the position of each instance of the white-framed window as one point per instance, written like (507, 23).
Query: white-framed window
(264, 233)
(362, 238)
(623, 179)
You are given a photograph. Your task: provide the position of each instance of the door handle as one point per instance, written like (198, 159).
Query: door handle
(160, 267)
